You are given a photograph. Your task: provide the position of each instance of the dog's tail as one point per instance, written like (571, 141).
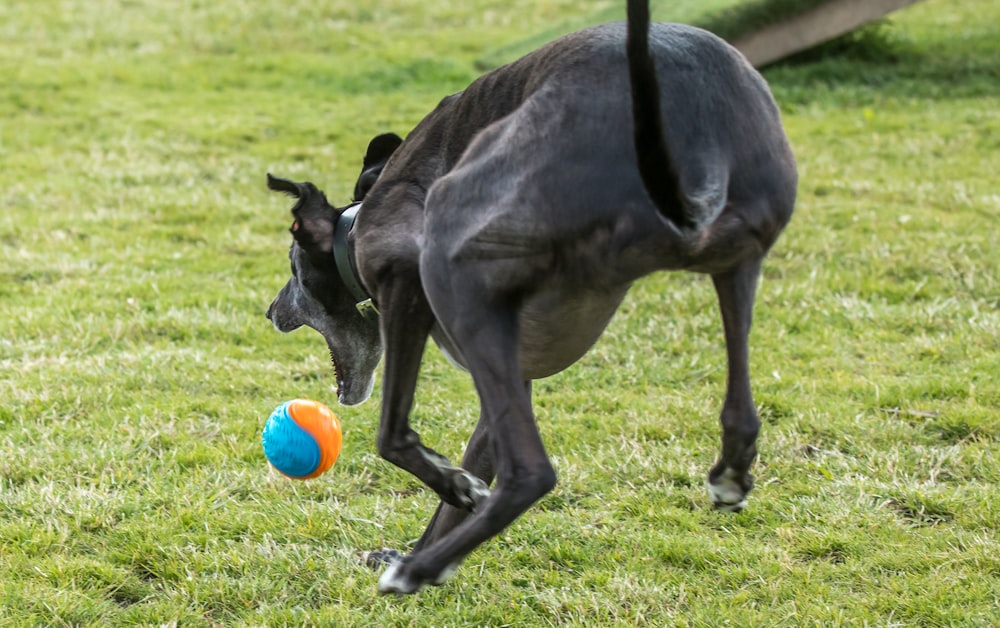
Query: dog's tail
(656, 166)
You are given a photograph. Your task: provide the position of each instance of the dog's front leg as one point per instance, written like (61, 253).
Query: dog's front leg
(406, 324)
(478, 460)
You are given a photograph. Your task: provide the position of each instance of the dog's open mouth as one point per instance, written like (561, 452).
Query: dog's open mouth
(338, 375)
(350, 389)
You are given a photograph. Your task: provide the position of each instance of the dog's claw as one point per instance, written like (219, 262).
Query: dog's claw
(376, 559)
(724, 507)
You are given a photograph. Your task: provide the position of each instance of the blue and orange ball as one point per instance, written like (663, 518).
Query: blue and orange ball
(302, 439)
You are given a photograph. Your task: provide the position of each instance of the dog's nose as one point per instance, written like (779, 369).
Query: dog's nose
(268, 312)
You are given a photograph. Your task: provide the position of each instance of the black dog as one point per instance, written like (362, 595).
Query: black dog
(509, 226)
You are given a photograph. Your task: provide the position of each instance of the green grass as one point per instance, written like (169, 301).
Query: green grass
(729, 19)
(685, 11)
(139, 249)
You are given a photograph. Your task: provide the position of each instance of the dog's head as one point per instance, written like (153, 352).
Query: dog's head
(315, 295)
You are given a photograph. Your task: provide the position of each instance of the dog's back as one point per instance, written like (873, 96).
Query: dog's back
(549, 149)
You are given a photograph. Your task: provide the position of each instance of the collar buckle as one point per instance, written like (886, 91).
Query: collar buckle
(367, 309)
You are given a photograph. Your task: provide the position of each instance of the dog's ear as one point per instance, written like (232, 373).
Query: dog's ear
(278, 184)
(379, 150)
(314, 217)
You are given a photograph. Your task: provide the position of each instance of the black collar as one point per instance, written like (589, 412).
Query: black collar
(345, 263)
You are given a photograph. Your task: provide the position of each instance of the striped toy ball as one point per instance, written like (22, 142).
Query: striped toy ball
(302, 439)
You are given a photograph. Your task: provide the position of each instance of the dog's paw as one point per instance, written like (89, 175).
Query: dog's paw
(724, 506)
(470, 490)
(397, 579)
(729, 490)
(377, 559)
(401, 578)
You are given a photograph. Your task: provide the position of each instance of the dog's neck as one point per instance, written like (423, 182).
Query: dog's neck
(345, 263)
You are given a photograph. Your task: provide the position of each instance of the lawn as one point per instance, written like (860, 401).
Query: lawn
(139, 248)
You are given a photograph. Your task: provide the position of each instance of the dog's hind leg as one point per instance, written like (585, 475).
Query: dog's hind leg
(730, 481)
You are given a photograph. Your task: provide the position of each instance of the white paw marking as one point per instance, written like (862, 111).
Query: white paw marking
(737, 507)
(446, 573)
(478, 491)
(727, 495)
(391, 581)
